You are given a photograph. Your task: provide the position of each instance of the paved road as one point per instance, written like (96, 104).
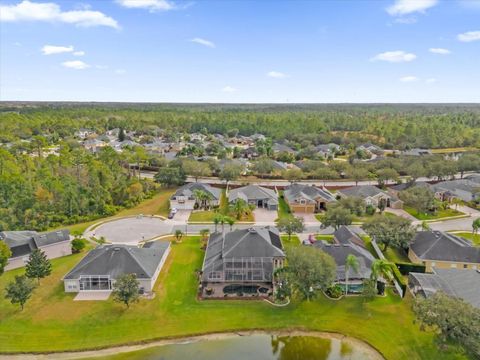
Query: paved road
(282, 183)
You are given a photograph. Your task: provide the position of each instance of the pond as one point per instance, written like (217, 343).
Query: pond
(259, 347)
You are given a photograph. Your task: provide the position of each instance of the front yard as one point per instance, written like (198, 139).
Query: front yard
(51, 320)
(440, 214)
(475, 239)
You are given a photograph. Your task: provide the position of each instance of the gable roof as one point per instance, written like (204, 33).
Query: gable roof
(308, 192)
(442, 246)
(253, 192)
(464, 189)
(246, 243)
(363, 191)
(188, 189)
(344, 236)
(339, 252)
(459, 283)
(24, 242)
(117, 260)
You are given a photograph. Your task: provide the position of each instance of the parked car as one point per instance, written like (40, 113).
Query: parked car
(172, 213)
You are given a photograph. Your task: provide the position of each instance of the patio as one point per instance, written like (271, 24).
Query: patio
(98, 295)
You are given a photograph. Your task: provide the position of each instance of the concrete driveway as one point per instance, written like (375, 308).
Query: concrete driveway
(182, 216)
(265, 216)
(401, 213)
(308, 218)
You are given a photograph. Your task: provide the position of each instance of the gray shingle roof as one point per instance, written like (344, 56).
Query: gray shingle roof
(344, 235)
(460, 283)
(308, 192)
(188, 189)
(464, 189)
(24, 242)
(441, 246)
(339, 252)
(362, 191)
(116, 260)
(246, 243)
(253, 192)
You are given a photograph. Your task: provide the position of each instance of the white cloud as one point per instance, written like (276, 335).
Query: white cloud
(408, 79)
(52, 49)
(439, 51)
(120, 71)
(469, 36)
(229, 89)
(277, 75)
(79, 53)
(394, 56)
(75, 64)
(151, 5)
(51, 12)
(203, 42)
(404, 7)
(431, 81)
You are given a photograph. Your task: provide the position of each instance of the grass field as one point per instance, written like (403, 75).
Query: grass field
(157, 205)
(475, 239)
(327, 238)
(283, 208)
(440, 214)
(51, 321)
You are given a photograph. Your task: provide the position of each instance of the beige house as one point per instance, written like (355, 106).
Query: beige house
(373, 196)
(442, 250)
(22, 243)
(307, 198)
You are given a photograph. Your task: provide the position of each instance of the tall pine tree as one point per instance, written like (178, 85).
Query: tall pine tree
(38, 266)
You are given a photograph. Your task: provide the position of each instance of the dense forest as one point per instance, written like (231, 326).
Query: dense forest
(41, 191)
(391, 126)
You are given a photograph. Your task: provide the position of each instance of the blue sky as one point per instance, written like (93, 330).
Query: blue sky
(240, 51)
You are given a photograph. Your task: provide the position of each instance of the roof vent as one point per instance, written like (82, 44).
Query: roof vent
(116, 249)
(252, 231)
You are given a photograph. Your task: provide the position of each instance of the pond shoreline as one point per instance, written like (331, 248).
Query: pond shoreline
(371, 351)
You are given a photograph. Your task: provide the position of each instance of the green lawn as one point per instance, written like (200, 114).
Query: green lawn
(440, 214)
(157, 205)
(51, 321)
(293, 242)
(359, 219)
(207, 216)
(327, 238)
(283, 208)
(395, 255)
(475, 239)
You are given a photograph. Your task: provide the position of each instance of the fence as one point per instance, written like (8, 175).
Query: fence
(397, 277)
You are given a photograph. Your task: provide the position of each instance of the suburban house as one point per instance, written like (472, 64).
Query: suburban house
(436, 249)
(21, 243)
(370, 148)
(184, 197)
(372, 195)
(348, 243)
(396, 189)
(327, 150)
(462, 284)
(257, 195)
(241, 262)
(104, 264)
(307, 198)
(344, 236)
(467, 189)
(278, 148)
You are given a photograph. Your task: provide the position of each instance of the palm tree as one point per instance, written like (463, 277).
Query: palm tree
(178, 235)
(475, 226)
(216, 220)
(199, 196)
(240, 207)
(204, 233)
(351, 262)
(230, 221)
(379, 267)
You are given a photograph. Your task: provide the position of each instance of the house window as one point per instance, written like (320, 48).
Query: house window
(465, 266)
(303, 201)
(215, 275)
(453, 266)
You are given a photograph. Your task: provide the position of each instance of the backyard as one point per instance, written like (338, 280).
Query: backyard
(175, 312)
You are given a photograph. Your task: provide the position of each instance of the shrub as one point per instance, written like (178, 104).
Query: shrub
(78, 244)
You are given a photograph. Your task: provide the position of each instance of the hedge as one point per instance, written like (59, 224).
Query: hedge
(406, 268)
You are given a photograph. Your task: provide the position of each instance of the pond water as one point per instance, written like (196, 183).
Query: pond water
(258, 347)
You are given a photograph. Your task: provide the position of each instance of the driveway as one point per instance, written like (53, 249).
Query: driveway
(265, 216)
(308, 218)
(401, 213)
(182, 216)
